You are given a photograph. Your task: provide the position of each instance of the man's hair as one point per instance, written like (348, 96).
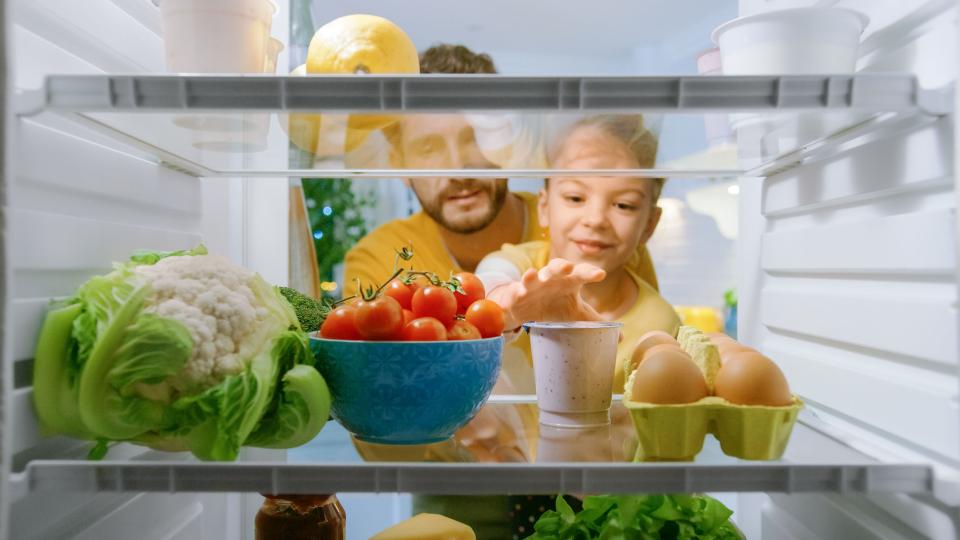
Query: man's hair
(631, 131)
(447, 58)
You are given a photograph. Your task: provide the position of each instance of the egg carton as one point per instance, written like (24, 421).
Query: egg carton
(676, 432)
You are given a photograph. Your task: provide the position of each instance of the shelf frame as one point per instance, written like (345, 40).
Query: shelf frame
(887, 95)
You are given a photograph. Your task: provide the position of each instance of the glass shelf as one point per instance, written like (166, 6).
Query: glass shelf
(473, 126)
(503, 450)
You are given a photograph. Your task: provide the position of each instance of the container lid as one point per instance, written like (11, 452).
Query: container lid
(787, 13)
(573, 325)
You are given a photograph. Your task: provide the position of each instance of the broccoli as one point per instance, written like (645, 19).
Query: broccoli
(310, 311)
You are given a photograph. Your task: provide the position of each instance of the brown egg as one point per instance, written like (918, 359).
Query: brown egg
(750, 378)
(646, 342)
(730, 348)
(668, 376)
(719, 337)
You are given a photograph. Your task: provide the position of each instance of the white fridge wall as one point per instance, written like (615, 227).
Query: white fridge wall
(848, 278)
(77, 201)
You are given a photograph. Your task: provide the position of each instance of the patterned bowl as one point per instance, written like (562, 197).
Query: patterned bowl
(413, 392)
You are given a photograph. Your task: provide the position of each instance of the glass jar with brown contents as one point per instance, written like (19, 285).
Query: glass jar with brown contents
(301, 517)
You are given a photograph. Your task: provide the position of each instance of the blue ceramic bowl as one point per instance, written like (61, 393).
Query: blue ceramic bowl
(416, 392)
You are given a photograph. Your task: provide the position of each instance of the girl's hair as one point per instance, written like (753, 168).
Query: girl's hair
(628, 129)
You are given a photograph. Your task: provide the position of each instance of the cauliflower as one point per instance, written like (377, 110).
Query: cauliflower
(179, 350)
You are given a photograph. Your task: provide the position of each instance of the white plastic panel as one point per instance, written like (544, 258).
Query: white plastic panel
(892, 245)
(865, 319)
(849, 281)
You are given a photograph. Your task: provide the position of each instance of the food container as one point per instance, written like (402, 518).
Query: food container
(798, 41)
(216, 36)
(676, 432)
(573, 365)
(412, 392)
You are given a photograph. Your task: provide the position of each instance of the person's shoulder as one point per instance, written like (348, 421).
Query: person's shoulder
(397, 233)
(534, 250)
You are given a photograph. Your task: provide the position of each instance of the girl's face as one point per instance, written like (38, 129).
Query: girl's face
(597, 220)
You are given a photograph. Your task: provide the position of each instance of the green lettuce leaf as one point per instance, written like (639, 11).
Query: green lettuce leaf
(639, 517)
(149, 256)
(302, 411)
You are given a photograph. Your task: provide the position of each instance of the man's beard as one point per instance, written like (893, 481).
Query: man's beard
(498, 196)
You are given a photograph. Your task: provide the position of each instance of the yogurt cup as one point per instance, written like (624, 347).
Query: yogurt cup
(798, 41)
(573, 364)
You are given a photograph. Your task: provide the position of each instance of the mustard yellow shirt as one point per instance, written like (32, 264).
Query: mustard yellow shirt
(372, 258)
(649, 312)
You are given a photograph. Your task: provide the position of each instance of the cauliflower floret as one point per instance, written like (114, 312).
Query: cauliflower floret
(210, 296)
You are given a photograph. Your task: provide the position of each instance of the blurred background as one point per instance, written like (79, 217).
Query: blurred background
(694, 246)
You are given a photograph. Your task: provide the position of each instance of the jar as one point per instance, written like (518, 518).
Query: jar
(301, 517)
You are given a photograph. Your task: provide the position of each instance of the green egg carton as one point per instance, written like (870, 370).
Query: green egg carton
(676, 432)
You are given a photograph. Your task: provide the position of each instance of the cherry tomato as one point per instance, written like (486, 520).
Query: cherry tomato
(471, 285)
(407, 316)
(424, 329)
(461, 330)
(400, 291)
(487, 316)
(340, 324)
(380, 319)
(436, 302)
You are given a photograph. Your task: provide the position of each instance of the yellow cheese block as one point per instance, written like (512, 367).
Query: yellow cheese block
(427, 527)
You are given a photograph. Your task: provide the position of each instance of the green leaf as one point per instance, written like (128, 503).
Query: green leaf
(147, 256)
(301, 413)
(54, 381)
(99, 450)
(566, 513)
(153, 349)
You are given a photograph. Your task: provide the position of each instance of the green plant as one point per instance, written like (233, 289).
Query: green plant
(337, 219)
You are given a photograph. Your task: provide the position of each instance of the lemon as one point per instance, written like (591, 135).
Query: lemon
(360, 44)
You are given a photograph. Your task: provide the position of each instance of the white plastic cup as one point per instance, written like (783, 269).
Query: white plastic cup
(799, 41)
(573, 365)
(216, 36)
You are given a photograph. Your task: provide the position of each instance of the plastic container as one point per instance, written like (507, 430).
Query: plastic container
(676, 432)
(216, 36)
(795, 41)
(573, 365)
(407, 392)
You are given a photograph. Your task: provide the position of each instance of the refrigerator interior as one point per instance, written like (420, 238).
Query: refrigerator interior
(846, 269)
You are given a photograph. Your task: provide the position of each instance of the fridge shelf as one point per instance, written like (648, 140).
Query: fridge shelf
(565, 461)
(341, 126)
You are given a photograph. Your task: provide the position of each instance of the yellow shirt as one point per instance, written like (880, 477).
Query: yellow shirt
(649, 312)
(372, 258)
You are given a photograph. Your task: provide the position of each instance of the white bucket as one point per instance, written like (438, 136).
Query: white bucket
(798, 41)
(216, 36)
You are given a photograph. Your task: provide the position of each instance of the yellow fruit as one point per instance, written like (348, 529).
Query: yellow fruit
(358, 44)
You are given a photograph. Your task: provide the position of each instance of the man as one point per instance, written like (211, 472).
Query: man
(463, 219)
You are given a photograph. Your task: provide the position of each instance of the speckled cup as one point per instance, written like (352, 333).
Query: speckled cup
(573, 364)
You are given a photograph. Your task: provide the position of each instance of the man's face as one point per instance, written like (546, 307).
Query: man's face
(447, 141)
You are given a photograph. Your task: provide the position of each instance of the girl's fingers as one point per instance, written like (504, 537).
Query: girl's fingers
(529, 277)
(588, 273)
